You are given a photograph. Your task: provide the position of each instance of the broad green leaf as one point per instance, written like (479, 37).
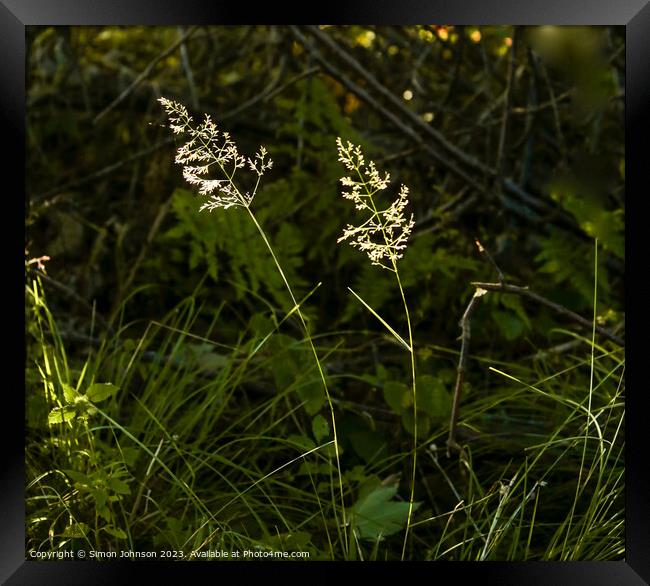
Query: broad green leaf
(375, 381)
(356, 474)
(130, 455)
(104, 512)
(513, 302)
(114, 531)
(69, 393)
(329, 450)
(398, 396)
(369, 445)
(320, 427)
(119, 486)
(433, 397)
(260, 325)
(313, 395)
(202, 356)
(369, 484)
(101, 391)
(511, 326)
(382, 372)
(376, 516)
(76, 530)
(79, 477)
(101, 498)
(424, 423)
(61, 414)
(302, 442)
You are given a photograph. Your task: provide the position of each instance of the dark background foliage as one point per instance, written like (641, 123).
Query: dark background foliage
(534, 182)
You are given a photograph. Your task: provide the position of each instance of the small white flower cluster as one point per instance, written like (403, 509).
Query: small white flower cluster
(383, 236)
(207, 147)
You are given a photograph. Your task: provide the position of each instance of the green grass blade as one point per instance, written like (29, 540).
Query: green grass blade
(383, 321)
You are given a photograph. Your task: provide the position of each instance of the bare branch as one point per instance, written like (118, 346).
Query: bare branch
(525, 292)
(460, 376)
(145, 73)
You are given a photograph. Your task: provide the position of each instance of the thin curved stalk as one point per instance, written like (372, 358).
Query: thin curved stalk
(395, 270)
(318, 364)
(415, 411)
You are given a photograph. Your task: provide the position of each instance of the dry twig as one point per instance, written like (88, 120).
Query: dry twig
(526, 292)
(460, 377)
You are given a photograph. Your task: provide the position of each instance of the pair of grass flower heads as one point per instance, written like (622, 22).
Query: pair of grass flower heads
(211, 161)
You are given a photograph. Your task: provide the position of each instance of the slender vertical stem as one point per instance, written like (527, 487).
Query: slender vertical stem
(415, 409)
(318, 364)
(394, 269)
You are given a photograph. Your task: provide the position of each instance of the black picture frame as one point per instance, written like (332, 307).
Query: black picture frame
(15, 15)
